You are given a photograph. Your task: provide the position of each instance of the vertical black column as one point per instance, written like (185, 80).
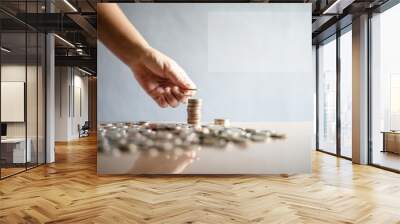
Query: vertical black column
(44, 69)
(26, 86)
(37, 89)
(338, 91)
(369, 94)
(317, 96)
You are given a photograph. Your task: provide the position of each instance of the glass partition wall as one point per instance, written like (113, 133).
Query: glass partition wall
(334, 80)
(13, 89)
(22, 89)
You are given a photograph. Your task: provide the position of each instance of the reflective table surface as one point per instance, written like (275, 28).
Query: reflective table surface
(275, 156)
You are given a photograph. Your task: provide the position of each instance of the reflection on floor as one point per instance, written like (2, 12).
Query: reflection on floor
(387, 159)
(346, 151)
(10, 169)
(70, 191)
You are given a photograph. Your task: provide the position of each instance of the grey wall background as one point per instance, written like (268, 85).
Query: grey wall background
(251, 62)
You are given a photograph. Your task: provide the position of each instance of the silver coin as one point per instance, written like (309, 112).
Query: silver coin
(258, 137)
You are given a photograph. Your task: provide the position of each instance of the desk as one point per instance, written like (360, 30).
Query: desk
(391, 141)
(13, 150)
(287, 156)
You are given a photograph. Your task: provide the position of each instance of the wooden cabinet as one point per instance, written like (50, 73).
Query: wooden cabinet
(391, 142)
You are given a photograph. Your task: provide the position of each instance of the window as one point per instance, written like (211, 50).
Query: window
(334, 138)
(385, 89)
(327, 96)
(346, 93)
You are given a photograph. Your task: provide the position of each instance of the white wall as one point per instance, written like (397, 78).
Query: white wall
(15, 72)
(79, 117)
(33, 127)
(62, 80)
(67, 116)
(251, 62)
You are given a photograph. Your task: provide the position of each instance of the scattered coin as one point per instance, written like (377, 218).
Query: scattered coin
(154, 138)
(258, 137)
(277, 135)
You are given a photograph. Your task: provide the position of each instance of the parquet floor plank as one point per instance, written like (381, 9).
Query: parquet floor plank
(69, 191)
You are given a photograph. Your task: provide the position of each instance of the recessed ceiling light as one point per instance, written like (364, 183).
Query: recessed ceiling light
(65, 41)
(84, 71)
(70, 5)
(5, 50)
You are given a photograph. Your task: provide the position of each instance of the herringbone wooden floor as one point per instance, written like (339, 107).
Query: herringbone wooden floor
(69, 191)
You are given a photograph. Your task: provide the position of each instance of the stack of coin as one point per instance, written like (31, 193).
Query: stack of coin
(221, 122)
(194, 112)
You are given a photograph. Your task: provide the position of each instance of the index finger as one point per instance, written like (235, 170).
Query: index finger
(179, 77)
(188, 92)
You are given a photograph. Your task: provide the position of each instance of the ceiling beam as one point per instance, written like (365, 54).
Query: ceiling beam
(84, 24)
(77, 61)
(49, 22)
(332, 29)
(338, 6)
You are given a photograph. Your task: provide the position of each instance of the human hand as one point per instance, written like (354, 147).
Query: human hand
(162, 78)
(163, 163)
